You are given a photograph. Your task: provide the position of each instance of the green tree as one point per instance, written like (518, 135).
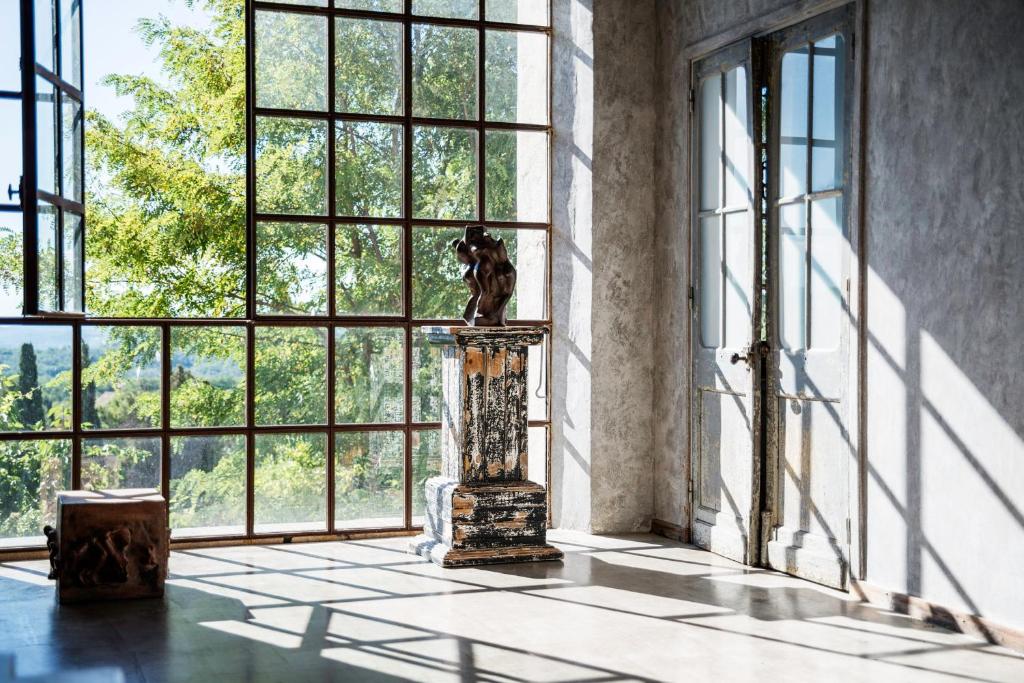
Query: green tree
(30, 405)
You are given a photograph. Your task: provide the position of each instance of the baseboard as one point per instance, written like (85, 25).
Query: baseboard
(919, 608)
(670, 530)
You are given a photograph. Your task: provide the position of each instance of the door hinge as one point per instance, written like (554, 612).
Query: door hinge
(849, 535)
(693, 99)
(689, 297)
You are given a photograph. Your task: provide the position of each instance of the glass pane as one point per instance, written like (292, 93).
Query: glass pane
(444, 71)
(738, 279)
(793, 124)
(368, 270)
(35, 377)
(120, 377)
(46, 136)
(71, 41)
(72, 262)
(207, 486)
(517, 76)
(34, 472)
(132, 463)
(369, 479)
(738, 141)
(710, 142)
(437, 288)
(10, 142)
(311, 3)
(537, 445)
(444, 173)
(11, 277)
(45, 24)
(290, 483)
(369, 374)
(426, 378)
(291, 60)
(828, 112)
(291, 268)
(368, 172)
(291, 166)
(533, 12)
(537, 399)
(827, 245)
(528, 251)
(71, 160)
(711, 282)
(10, 56)
(371, 5)
(426, 463)
(368, 59)
(207, 376)
(291, 375)
(46, 249)
(517, 176)
(792, 276)
(456, 9)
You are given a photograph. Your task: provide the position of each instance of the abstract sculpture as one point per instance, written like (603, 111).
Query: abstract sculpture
(489, 275)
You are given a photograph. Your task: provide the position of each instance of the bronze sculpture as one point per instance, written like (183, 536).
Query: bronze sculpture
(489, 275)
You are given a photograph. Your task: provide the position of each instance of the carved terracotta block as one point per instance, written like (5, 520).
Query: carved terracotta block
(109, 545)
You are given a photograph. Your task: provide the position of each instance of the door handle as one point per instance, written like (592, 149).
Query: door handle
(760, 348)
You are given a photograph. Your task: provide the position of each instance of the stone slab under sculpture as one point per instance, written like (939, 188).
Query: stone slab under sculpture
(489, 275)
(109, 545)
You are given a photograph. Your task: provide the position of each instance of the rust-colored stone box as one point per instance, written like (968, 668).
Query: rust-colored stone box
(109, 545)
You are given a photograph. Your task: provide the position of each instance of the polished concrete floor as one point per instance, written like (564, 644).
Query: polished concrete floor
(622, 608)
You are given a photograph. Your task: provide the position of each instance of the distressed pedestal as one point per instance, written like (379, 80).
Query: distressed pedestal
(483, 509)
(109, 545)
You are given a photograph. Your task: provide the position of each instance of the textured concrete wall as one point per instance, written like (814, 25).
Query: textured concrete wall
(944, 203)
(603, 215)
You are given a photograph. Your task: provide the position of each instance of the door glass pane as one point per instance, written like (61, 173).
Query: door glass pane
(517, 76)
(45, 23)
(72, 262)
(738, 280)
(290, 483)
(369, 479)
(517, 176)
(120, 377)
(426, 463)
(46, 136)
(11, 261)
(46, 249)
(35, 378)
(207, 486)
(710, 142)
(369, 375)
(368, 60)
(533, 12)
(207, 376)
(738, 142)
(291, 166)
(291, 375)
(291, 60)
(792, 276)
(827, 246)
(71, 161)
(711, 282)
(131, 463)
(30, 497)
(71, 41)
(368, 170)
(793, 124)
(455, 9)
(444, 172)
(828, 111)
(291, 268)
(368, 270)
(444, 71)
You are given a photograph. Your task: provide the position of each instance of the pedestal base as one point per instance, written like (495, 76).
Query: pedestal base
(473, 524)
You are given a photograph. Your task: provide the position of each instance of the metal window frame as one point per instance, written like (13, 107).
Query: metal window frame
(330, 322)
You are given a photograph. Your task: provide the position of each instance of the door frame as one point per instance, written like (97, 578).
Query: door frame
(753, 30)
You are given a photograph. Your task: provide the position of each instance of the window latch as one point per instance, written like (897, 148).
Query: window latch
(11, 192)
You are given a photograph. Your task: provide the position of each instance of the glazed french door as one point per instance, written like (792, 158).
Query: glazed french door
(772, 336)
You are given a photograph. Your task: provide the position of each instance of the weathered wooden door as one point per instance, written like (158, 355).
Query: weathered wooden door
(808, 406)
(725, 304)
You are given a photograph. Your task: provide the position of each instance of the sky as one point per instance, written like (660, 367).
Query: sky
(110, 45)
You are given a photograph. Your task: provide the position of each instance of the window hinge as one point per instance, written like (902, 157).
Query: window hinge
(693, 99)
(849, 535)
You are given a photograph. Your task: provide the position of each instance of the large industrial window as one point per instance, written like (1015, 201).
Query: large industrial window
(268, 229)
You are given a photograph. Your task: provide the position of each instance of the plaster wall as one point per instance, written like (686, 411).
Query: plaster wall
(944, 206)
(603, 222)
